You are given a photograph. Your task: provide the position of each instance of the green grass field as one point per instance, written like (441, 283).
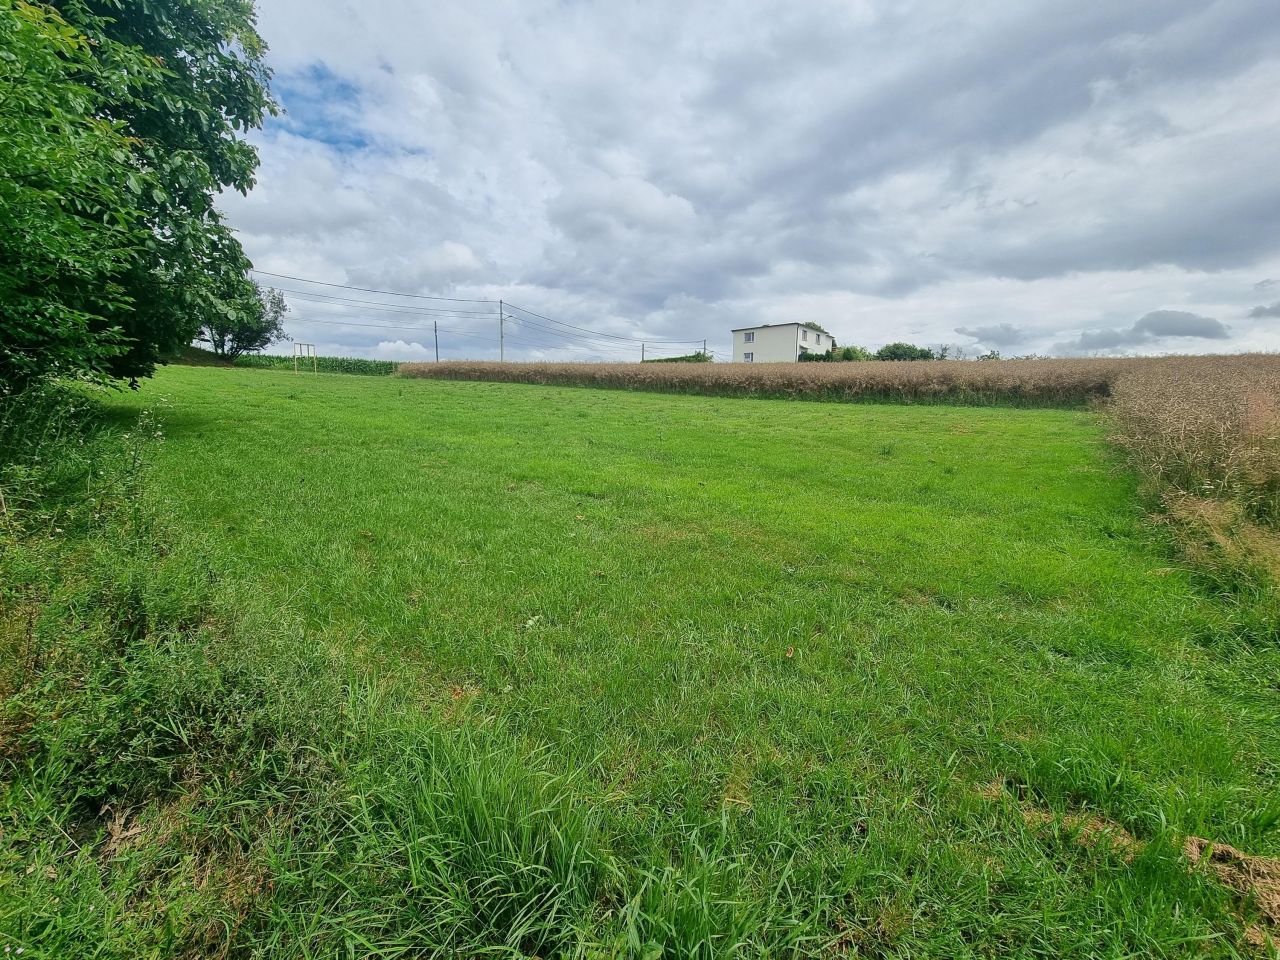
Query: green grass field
(877, 662)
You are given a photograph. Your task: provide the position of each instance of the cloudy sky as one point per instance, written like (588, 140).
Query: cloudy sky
(1048, 176)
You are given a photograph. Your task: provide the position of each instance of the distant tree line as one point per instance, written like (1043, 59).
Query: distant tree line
(890, 351)
(122, 123)
(698, 357)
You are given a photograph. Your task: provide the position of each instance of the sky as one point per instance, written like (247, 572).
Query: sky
(1040, 177)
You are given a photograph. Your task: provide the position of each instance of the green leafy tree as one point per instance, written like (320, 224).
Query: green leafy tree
(246, 325)
(904, 351)
(187, 120)
(71, 223)
(855, 353)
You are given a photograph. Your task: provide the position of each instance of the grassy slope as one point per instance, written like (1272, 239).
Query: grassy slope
(825, 624)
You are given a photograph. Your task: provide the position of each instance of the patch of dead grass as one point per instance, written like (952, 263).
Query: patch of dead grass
(1086, 829)
(1255, 879)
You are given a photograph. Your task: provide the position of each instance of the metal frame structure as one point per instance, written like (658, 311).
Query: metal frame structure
(301, 351)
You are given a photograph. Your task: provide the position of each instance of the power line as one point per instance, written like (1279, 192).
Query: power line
(571, 345)
(456, 333)
(591, 335)
(389, 326)
(386, 307)
(347, 286)
(572, 337)
(610, 336)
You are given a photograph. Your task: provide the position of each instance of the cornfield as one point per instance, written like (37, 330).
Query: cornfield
(358, 365)
(1204, 432)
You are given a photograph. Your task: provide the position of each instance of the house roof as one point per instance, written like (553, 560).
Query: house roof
(770, 326)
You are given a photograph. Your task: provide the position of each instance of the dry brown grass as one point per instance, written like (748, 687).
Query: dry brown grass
(1205, 434)
(1256, 879)
(1008, 382)
(1206, 427)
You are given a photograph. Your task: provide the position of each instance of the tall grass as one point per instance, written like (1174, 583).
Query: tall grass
(1041, 383)
(184, 772)
(1205, 435)
(1206, 427)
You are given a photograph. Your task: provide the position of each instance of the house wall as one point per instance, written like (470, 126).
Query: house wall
(814, 341)
(778, 344)
(772, 345)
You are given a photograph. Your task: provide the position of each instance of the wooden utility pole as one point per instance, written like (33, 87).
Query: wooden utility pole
(704, 346)
(642, 353)
(435, 329)
(502, 350)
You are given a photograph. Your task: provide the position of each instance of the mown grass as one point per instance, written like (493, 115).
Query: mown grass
(1203, 431)
(635, 675)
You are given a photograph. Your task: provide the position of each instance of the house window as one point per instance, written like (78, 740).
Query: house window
(749, 337)
(804, 334)
(748, 357)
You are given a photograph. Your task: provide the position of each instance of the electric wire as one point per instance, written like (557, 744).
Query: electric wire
(347, 286)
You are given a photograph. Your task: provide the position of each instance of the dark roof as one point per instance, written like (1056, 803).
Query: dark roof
(765, 325)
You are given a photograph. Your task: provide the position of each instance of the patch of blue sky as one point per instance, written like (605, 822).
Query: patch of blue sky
(321, 106)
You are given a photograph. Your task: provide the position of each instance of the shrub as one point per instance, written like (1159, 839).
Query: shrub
(904, 351)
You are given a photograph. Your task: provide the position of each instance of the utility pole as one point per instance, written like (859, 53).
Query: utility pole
(435, 329)
(642, 353)
(704, 346)
(501, 334)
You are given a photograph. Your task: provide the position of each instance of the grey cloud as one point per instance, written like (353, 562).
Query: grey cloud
(1263, 311)
(1179, 323)
(1152, 326)
(948, 163)
(996, 335)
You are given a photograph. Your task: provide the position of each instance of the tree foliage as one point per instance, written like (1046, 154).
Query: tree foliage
(70, 189)
(188, 118)
(122, 122)
(247, 325)
(904, 351)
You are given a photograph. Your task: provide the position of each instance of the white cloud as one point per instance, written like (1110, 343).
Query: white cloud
(1024, 172)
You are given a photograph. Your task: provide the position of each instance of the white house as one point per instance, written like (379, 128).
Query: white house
(778, 343)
